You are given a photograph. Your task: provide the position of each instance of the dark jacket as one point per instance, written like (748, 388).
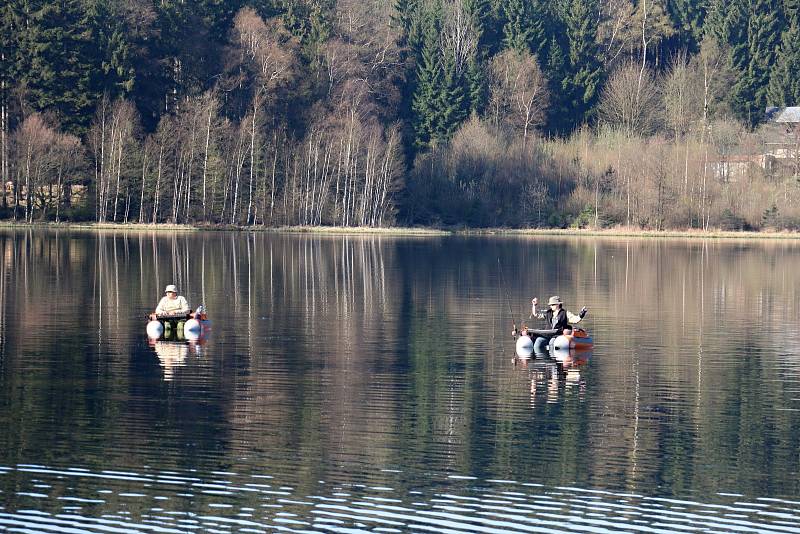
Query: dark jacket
(552, 331)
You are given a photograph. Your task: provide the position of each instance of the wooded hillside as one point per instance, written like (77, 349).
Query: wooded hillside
(362, 112)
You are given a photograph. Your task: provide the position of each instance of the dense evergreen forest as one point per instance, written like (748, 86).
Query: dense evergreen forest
(644, 113)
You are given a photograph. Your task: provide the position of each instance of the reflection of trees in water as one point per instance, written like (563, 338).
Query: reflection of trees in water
(677, 309)
(379, 349)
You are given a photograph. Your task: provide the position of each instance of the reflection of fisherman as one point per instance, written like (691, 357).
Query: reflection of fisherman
(171, 304)
(171, 355)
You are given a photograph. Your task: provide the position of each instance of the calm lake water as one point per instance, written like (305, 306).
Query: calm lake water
(354, 384)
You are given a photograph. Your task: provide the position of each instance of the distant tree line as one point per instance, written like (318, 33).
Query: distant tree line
(348, 112)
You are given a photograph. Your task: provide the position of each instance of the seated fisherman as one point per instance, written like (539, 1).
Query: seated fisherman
(571, 318)
(171, 304)
(557, 322)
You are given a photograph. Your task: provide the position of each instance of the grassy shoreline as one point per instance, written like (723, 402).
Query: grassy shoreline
(413, 231)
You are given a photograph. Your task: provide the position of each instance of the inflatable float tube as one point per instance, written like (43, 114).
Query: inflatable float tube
(524, 346)
(190, 327)
(578, 340)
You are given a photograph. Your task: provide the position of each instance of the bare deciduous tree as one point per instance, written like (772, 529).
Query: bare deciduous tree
(519, 91)
(459, 36)
(33, 141)
(268, 48)
(631, 101)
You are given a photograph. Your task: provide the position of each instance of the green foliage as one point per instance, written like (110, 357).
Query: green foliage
(524, 26)
(585, 218)
(731, 221)
(403, 18)
(583, 74)
(477, 86)
(8, 52)
(752, 30)
(440, 101)
(688, 17)
(55, 64)
(770, 218)
(784, 83)
(430, 80)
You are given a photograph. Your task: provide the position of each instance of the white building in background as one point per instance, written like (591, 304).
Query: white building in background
(789, 116)
(777, 153)
(782, 137)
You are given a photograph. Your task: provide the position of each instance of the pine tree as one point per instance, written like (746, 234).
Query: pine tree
(453, 100)
(580, 85)
(716, 20)
(524, 27)
(477, 86)
(493, 22)
(784, 83)
(115, 73)
(57, 67)
(475, 82)
(8, 62)
(429, 80)
(688, 17)
(440, 101)
(8, 51)
(403, 18)
(753, 59)
(555, 72)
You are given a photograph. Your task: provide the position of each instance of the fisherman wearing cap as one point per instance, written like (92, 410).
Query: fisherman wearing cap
(171, 304)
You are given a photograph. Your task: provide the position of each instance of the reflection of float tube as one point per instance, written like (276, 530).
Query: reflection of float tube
(155, 329)
(559, 352)
(524, 346)
(192, 329)
(566, 342)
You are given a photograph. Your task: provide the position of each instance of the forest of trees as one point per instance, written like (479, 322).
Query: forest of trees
(479, 113)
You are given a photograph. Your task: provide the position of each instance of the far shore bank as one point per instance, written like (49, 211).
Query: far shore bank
(412, 231)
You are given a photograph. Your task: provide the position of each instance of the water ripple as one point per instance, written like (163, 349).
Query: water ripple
(144, 501)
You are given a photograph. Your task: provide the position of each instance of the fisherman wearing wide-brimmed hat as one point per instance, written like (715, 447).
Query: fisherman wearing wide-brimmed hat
(572, 318)
(558, 319)
(171, 304)
(555, 315)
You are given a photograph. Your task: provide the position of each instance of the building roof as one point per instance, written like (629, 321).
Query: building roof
(783, 115)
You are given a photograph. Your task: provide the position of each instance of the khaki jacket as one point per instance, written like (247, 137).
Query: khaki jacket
(168, 306)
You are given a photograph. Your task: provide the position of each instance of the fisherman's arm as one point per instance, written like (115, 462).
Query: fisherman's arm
(534, 302)
(160, 308)
(575, 319)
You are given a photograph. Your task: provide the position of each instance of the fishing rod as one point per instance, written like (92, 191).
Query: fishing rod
(507, 294)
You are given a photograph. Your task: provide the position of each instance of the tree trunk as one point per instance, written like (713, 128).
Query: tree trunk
(158, 183)
(252, 158)
(119, 172)
(205, 158)
(144, 173)
(272, 189)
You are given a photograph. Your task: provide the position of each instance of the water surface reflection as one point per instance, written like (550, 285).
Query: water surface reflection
(370, 383)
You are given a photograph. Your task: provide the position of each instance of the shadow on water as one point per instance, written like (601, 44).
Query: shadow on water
(369, 383)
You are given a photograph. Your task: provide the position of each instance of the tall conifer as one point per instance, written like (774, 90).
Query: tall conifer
(454, 105)
(784, 82)
(429, 81)
(580, 85)
(688, 17)
(524, 26)
(58, 63)
(755, 57)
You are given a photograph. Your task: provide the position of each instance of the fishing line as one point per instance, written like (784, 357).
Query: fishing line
(508, 296)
